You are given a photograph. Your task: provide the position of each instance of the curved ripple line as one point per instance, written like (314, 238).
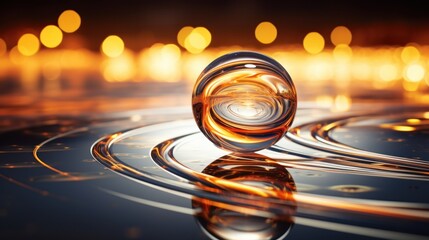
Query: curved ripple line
(163, 155)
(315, 135)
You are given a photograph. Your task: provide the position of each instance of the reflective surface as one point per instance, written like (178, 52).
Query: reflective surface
(244, 101)
(130, 174)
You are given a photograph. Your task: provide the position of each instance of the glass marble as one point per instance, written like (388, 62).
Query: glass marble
(244, 101)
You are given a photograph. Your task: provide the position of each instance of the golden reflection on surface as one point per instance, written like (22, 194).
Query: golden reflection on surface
(413, 120)
(404, 128)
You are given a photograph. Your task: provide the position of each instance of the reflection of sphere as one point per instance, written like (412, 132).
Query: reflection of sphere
(226, 221)
(244, 101)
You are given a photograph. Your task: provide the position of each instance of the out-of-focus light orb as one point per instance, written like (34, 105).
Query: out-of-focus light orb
(3, 47)
(194, 64)
(410, 54)
(121, 68)
(69, 21)
(51, 70)
(198, 40)
(342, 52)
(388, 72)
(15, 56)
(342, 103)
(324, 101)
(314, 43)
(361, 70)
(28, 44)
(205, 33)
(318, 68)
(414, 72)
(266, 32)
(426, 115)
(161, 63)
(183, 34)
(113, 46)
(341, 35)
(51, 36)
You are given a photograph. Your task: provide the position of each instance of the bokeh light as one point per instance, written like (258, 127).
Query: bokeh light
(266, 32)
(414, 72)
(342, 103)
(28, 44)
(183, 34)
(410, 54)
(160, 63)
(341, 35)
(388, 72)
(342, 52)
(197, 40)
(324, 101)
(69, 21)
(121, 68)
(314, 43)
(113, 46)
(51, 36)
(3, 47)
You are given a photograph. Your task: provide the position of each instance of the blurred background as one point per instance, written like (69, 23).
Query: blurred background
(71, 57)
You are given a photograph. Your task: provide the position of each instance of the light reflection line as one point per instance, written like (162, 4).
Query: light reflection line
(305, 200)
(357, 230)
(38, 159)
(160, 205)
(332, 226)
(23, 185)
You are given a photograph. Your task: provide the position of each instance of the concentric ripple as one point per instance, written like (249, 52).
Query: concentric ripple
(327, 176)
(307, 174)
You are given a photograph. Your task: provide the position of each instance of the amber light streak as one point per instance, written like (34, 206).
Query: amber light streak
(36, 149)
(270, 195)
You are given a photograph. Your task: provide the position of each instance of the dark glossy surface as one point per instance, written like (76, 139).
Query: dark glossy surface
(155, 176)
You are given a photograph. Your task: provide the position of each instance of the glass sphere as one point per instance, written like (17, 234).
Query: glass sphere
(244, 101)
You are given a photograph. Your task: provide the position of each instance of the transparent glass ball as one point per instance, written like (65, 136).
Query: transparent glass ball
(244, 101)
